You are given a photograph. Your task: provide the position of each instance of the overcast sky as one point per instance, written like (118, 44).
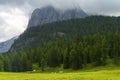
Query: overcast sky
(14, 14)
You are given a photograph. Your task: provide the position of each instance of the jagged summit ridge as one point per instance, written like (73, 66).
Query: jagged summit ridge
(50, 14)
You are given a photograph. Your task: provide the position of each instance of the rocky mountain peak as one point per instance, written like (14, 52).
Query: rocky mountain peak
(50, 14)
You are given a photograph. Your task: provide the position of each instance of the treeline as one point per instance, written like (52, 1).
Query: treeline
(73, 53)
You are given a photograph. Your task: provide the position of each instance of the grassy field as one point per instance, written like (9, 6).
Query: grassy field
(96, 75)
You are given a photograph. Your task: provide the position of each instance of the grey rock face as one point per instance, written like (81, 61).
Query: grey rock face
(5, 46)
(50, 14)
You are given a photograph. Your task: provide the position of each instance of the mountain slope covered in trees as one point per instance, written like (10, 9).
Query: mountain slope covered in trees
(39, 35)
(72, 44)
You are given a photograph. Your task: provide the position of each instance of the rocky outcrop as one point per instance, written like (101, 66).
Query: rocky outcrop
(50, 14)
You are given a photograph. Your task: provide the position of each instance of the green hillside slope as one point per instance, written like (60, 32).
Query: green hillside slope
(72, 44)
(39, 35)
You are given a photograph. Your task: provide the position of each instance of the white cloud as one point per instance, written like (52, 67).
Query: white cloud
(14, 23)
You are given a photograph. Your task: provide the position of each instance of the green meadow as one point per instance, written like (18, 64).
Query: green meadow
(79, 75)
